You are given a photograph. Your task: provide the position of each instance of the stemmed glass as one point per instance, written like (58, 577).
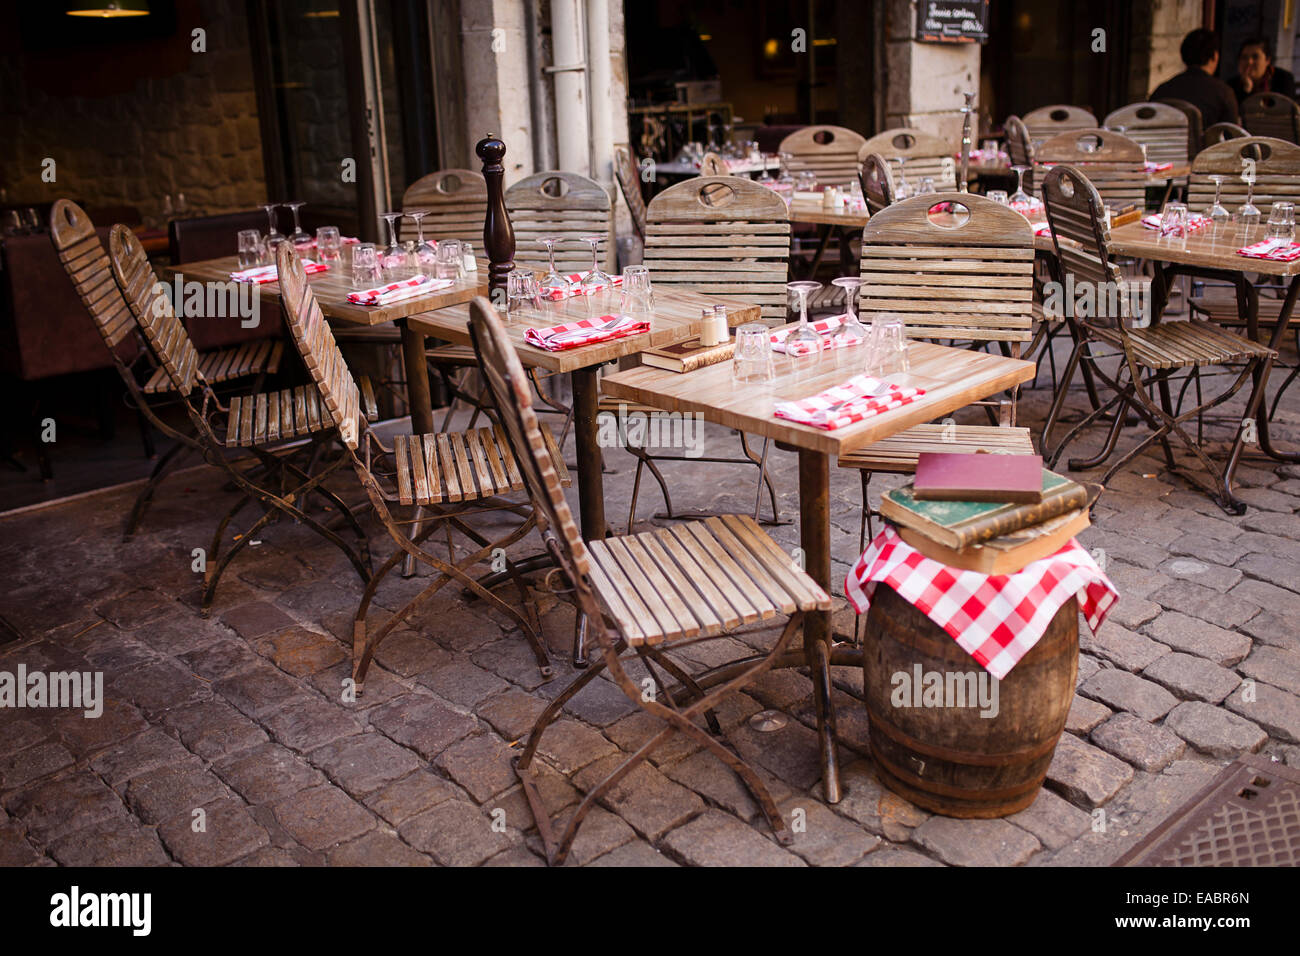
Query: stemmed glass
(553, 282)
(1249, 214)
(852, 332)
(273, 235)
(901, 189)
(426, 252)
(297, 237)
(596, 278)
(393, 259)
(803, 340)
(1020, 196)
(1219, 215)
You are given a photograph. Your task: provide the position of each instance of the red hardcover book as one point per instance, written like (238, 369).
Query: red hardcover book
(942, 476)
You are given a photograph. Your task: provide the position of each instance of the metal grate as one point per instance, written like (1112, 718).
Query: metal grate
(1249, 815)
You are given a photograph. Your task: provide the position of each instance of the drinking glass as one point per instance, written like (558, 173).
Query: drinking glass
(451, 259)
(1281, 221)
(521, 289)
(251, 249)
(901, 189)
(298, 237)
(852, 332)
(752, 359)
(365, 266)
(426, 252)
(1219, 215)
(803, 340)
(272, 233)
(637, 294)
(927, 186)
(596, 278)
(33, 220)
(1020, 196)
(1173, 221)
(329, 245)
(889, 346)
(999, 196)
(553, 281)
(393, 259)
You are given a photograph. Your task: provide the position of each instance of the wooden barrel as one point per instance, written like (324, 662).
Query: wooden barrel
(948, 758)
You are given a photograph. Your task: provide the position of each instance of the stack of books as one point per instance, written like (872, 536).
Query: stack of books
(988, 513)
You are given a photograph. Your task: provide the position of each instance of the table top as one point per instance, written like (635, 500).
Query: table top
(1198, 249)
(332, 288)
(676, 318)
(676, 168)
(806, 210)
(952, 378)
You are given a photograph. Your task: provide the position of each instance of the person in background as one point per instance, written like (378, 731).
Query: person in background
(1256, 72)
(1197, 84)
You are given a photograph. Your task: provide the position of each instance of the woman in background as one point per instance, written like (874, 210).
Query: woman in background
(1256, 72)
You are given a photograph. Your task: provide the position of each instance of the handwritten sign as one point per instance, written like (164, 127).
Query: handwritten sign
(952, 21)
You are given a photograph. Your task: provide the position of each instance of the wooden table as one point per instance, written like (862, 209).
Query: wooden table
(676, 317)
(953, 378)
(747, 168)
(331, 289)
(841, 221)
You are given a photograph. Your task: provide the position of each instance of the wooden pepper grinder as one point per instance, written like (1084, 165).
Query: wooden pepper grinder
(498, 233)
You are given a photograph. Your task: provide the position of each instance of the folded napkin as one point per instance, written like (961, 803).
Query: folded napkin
(826, 328)
(1195, 221)
(397, 291)
(555, 295)
(1029, 209)
(1278, 250)
(262, 274)
(572, 335)
(1158, 167)
(1041, 228)
(802, 195)
(862, 403)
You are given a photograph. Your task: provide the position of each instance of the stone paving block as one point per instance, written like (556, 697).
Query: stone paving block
(67, 803)
(32, 764)
(1269, 500)
(1200, 527)
(891, 856)
(852, 729)
(570, 745)
(1221, 553)
(1278, 571)
(791, 753)
(1133, 612)
(275, 572)
(255, 619)
(1204, 603)
(220, 658)
(456, 833)
(510, 658)
(160, 794)
(213, 729)
(322, 817)
(1275, 710)
(1201, 570)
(553, 787)
(259, 690)
(1275, 666)
(600, 704)
(307, 722)
(645, 798)
(1085, 714)
(159, 687)
(1088, 665)
(226, 833)
(1192, 678)
(516, 856)
(1269, 596)
(637, 728)
(1144, 745)
(299, 651)
(459, 628)
(403, 799)
(780, 689)
(363, 763)
(377, 848)
(976, 842)
(638, 853)
(146, 751)
(87, 735)
(1131, 550)
(408, 653)
(268, 774)
(1273, 629)
(822, 837)
(1194, 636)
(336, 685)
(715, 838)
(135, 608)
(15, 850)
(511, 714)
(1052, 820)
(1085, 775)
(483, 765)
(117, 840)
(599, 833)
(1122, 647)
(1124, 691)
(706, 774)
(1213, 730)
(421, 722)
(20, 734)
(870, 804)
(462, 683)
(1133, 581)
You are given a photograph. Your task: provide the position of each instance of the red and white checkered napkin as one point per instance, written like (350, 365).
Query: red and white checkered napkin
(572, 335)
(1158, 167)
(826, 328)
(263, 274)
(397, 291)
(1041, 228)
(1195, 221)
(996, 618)
(1279, 250)
(1030, 210)
(856, 401)
(575, 288)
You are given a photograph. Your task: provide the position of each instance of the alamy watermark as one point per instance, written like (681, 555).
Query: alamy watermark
(922, 688)
(61, 689)
(637, 429)
(213, 300)
(1087, 300)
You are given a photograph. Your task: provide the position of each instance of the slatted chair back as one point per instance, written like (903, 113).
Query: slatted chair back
(713, 165)
(1114, 163)
(1048, 121)
(153, 312)
(1277, 173)
(829, 151)
(340, 396)
(1195, 123)
(1221, 132)
(1160, 128)
(83, 257)
(508, 387)
(629, 181)
(924, 154)
(1272, 114)
(721, 235)
(1076, 212)
(877, 182)
(456, 203)
(565, 205)
(951, 276)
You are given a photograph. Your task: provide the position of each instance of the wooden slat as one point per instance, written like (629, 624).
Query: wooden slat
(512, 467)
(500, 483)
(776, 562)
(618, 586)
(429, 453)
(629, 622)
(643, 587)
(743, 601)
(708, 620)
(447, 461)
(462, 464)
(403, 456)
(479, 461)
(745, 560)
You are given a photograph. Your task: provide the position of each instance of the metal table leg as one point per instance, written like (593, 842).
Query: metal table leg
(417, 380)
(814, 537)
(591, 482)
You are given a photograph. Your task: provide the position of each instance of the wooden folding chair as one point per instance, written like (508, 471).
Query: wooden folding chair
(454, 201)
(1272, 115)
(877, 182)
(1161, 128)
(963, 279)
(1150, 355)
(449, 477)
(84, 258)
(1048, 121)
(567, 205)
(1020, 149)
(629, 182)
(1112, 162)
(1221, 132)
(829, 151)
(923, 155)
(274, 427)
(642, 596)
(1195, 123)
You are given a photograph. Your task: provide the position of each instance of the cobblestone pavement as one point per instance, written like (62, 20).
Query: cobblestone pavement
(241, 715)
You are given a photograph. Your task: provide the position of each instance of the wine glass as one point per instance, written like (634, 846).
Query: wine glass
(273, 235)
(596, 278)
(852, 332)
(901, 189)
(1219, 215)
(803, 340)
(553, 282)
(927, 186)
(426, 252)
(1020, 196)
(393, 259)
(297, 237)
(1249, 214)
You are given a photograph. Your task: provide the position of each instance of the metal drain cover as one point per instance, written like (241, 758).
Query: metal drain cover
(1249, 815)
(768, 721)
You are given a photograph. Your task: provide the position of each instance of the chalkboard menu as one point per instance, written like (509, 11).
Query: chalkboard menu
(952, 21)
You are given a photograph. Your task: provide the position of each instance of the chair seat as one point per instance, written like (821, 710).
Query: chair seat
(268, 417)
(1219, 303)
(461, 355)
(388, 334)
(898, 454)
(222, 365)
(1185, 344)
(445, 468)
(698, 578)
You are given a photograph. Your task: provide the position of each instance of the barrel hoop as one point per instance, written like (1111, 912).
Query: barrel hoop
(878, 722)
(944, 790)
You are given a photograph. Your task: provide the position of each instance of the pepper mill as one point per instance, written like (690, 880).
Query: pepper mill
(498, 233)
(968, 109)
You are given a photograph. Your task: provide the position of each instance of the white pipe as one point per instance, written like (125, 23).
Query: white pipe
(598, 74)
(569, 70)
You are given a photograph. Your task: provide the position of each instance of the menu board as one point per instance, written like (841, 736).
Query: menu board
(952, 21)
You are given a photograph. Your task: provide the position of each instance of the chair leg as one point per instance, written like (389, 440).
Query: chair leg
(1058, 404)
(145, 498)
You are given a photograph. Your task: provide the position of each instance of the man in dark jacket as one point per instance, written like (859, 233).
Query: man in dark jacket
(1198, 84)
(1256, 72)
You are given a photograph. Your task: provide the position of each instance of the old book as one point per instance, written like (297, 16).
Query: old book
(978, 476)
(959, 524)
(1008, 553)
(688, 356)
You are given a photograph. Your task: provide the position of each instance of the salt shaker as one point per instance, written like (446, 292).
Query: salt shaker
(471, 264)
(720, 331)
(708, 331)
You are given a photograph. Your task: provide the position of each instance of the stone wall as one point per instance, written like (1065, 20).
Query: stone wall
(193, 132)
(1158, 29)
(924, 82)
